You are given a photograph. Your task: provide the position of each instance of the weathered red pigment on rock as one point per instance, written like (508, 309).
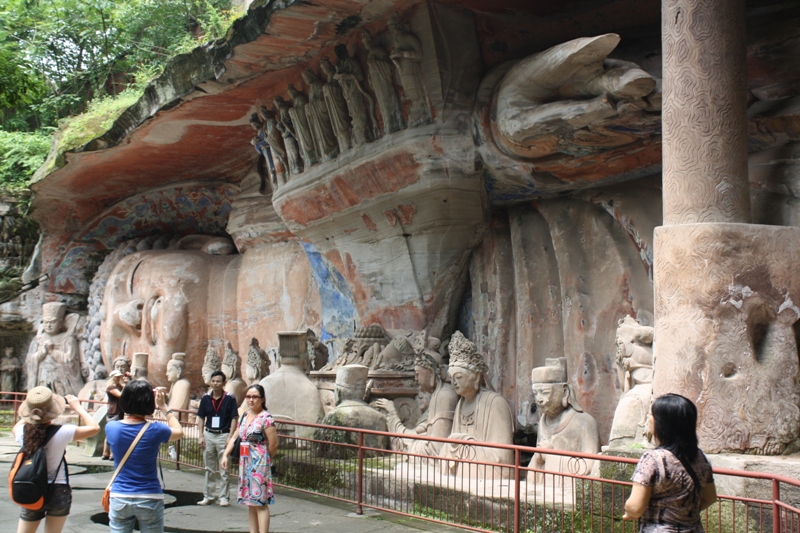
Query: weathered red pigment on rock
(346, 189)
(599, 166)
(368, 222)
(408, 316)
(406, 212)
(391, 217)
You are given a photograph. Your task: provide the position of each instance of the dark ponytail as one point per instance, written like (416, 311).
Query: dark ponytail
(675, 420)
(33, 437)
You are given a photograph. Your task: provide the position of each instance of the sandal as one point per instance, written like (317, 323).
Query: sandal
(106, 458)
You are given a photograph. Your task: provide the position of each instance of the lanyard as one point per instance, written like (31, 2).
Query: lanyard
(215, 406)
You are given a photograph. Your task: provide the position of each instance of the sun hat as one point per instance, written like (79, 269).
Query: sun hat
(114, 374)
(41, 406)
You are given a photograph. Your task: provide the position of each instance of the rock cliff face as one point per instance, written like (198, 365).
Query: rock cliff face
(420, 165)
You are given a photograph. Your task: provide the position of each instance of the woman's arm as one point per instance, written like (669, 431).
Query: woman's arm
(114, 392)
(90, 427)
(172, 419)
(272, 440)
(708, 496)
(638, 501)
(223, 464)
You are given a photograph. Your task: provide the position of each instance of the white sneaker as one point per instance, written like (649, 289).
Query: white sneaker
(206, 501)
(223, 502)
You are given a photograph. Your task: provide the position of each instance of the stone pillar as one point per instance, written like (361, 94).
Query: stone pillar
(703, 117)
(726, 291)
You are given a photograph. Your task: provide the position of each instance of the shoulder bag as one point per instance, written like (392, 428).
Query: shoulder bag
(107, 492)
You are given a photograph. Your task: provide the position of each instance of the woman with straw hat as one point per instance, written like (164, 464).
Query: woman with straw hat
(40, 408)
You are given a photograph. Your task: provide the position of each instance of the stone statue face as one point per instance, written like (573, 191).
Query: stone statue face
(550, 397)
(52, 325)
(465, 382)
(423, 401)
(173, 373)
(425, 377)
(159, 302)
(250, 373)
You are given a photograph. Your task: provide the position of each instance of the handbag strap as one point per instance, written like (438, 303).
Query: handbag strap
(128, 453)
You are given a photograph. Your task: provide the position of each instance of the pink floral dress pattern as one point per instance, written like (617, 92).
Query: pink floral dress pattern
(674, 502)
(255, 477)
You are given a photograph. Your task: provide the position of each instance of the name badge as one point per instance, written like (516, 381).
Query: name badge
(244, 449)
(214, 422)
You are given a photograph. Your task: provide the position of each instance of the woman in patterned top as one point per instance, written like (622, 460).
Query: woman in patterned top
(673, 482)
(258, 446)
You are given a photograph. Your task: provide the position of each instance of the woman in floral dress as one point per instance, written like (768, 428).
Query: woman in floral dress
(259, 442)
(673, 482)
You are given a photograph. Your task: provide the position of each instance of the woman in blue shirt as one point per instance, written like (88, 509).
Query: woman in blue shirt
(136, 493)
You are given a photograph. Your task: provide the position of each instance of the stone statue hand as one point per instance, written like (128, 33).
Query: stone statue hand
(48, 347)
(386, 405)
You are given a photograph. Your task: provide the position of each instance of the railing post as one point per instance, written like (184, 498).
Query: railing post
(178, 454)
(517, 481)
(776, 514)
(360, 473)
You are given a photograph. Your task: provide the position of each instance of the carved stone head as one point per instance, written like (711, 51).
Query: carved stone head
(53, 317)
(550, 388)
(175, 367)
(351, 383)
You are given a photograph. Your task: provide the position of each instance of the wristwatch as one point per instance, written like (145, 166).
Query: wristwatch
(169, 412)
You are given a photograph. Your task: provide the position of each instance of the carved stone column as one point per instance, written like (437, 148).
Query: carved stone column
(726, 291)
(704, 122)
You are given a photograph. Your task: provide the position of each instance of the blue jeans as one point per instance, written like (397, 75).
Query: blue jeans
(123, 512)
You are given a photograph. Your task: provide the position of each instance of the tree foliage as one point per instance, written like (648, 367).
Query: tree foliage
(56, 56)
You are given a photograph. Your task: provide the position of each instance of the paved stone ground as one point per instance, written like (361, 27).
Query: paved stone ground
(293, 511)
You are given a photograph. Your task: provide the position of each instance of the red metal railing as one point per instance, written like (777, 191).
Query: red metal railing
(492, 497)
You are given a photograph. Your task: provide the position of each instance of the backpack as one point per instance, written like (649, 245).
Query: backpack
(27, 480)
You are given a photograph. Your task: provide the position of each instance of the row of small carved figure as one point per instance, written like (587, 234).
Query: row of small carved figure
(338, 114)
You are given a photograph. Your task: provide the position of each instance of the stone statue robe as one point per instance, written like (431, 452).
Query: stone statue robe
(359, 101)
(302, 129)
(436, 421)
(353, 414)
(379, 71)
(490, 421)
(407, 57)
(337, 108)
(59, 366)
(575, 432)
(179, 395)
(288, 392)
(319, 121)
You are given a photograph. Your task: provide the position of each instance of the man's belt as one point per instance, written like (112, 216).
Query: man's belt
(218, 431)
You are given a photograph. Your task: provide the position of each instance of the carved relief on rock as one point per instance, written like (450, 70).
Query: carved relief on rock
(302, 402)
(407, 57)
(211, 363)
(562, 423)
(337, 106)
(635, 365)
(179, 388)
(480, 415)
(257, 364)
(231, 366)
(726, 322)
(274, 139)
(359, 101)
(299, 117)
(351, 411)
(319, 120)
(572, 99)
(437, 402)
(290, 137)
(10, 372)
(56, 360)
(317, 351)
(381, 79)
